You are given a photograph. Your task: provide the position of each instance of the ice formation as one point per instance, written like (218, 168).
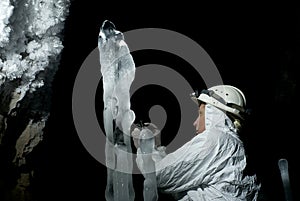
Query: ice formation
(147, 143)
(118, 72)
(284, 173)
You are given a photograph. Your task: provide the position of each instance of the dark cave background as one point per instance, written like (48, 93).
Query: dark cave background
(255, 48)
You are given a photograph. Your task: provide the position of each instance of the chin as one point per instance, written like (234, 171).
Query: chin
(199, 132)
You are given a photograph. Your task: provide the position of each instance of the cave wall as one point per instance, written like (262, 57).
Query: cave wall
(31, 43)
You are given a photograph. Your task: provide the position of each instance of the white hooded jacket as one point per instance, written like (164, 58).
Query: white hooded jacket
(208, 167)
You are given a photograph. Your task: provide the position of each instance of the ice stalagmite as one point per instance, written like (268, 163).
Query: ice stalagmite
(118, 72)
(147, 143)
(284, 173)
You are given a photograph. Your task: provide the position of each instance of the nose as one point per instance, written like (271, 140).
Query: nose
(196, 122)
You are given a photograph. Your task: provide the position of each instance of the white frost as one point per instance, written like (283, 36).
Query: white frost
(30, 39)
(6, 11)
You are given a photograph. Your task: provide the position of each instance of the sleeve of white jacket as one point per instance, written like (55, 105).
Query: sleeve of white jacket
(188, 167)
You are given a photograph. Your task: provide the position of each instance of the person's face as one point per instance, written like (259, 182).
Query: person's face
(200, 121)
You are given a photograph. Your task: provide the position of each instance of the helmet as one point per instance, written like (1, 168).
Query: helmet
(225, 97)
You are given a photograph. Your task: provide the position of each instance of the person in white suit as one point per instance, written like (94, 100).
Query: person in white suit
(211, 166)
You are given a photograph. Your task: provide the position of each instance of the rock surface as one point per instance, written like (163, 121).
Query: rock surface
(31, 42)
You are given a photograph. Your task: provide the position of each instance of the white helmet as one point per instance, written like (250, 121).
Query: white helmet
(225, 97)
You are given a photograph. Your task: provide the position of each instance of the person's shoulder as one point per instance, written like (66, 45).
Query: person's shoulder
(209, 137)
(225, 137)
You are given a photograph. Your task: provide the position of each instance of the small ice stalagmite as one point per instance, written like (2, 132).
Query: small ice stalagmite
(147, 143)
(284, 173)
(118, 72)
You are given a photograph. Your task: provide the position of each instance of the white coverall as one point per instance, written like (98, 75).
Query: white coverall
(208, 167)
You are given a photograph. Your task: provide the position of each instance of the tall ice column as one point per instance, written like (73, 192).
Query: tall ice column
(118, 71)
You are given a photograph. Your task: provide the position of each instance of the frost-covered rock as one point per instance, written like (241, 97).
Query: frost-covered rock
(30, 48)
(30, 37)
(6, 11)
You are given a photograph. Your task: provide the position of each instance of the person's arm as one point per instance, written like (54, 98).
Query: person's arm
(186, 167)
(176, 171)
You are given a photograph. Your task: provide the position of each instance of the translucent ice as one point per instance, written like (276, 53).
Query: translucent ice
(284, 172)
(147, 143)
(118, 71)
